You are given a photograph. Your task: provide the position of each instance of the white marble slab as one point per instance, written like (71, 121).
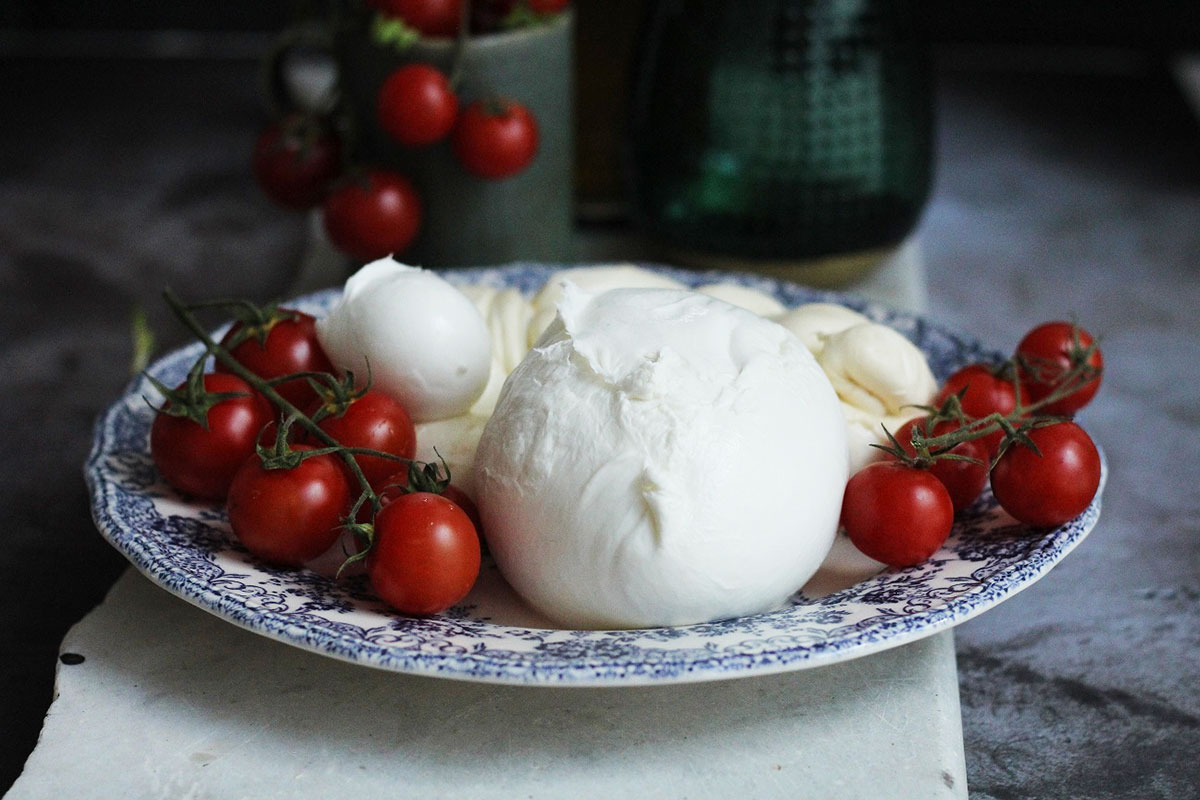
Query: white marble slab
(170, 702)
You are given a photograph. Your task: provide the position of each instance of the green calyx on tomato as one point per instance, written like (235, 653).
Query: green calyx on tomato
(190, 400)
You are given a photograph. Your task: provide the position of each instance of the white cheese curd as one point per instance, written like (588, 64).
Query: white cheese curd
(880, 376)
(592, 279)
(661, 458)
(426, 343)
(454, 440)
(507, 313)
(814, 322)
(753, 300)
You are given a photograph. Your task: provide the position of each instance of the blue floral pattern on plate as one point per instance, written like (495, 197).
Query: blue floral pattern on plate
(187, 548)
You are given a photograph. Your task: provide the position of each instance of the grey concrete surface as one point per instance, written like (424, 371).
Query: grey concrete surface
(1056, 194)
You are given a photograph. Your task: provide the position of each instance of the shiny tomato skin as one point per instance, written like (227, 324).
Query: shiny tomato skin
(395, 485)
(377, 422)
(896, 514)
(290, 346)
(425, 556)
(374, 215)
(964, 480)
(429, 17)
(202, 462)
(294, 162)
(495, 139)
(289, 516)
(1053, 488)
(416, 105)
(986, 394)
(1051, 350)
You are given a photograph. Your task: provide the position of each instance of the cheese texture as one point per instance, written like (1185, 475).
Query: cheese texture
(660, 458)
(880, 377)
(425, 342)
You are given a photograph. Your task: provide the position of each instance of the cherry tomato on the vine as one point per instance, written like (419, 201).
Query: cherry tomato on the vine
(986, 393)
(373, 215)
(416, 105)
(430, 17)
(289, 516)
(295, 160)
(1047, 353)
(290, 346)
(377, 422)
(202, 461)
(896, 514)
(398, 484)
(964, 480)
(495, 138)
(1051, 488)
(425, 556)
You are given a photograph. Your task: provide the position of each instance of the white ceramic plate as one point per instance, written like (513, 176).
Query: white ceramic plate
(848, 610)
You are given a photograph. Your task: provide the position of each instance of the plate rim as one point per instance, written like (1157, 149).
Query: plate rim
(1052, 547)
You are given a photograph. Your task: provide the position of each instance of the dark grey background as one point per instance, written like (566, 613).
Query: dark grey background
(1068, 181)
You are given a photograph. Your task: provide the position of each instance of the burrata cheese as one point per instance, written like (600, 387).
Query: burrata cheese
(661, 457)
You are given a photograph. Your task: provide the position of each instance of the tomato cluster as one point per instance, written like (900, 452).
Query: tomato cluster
(369, 211)
(1007, 424)
(274, 434)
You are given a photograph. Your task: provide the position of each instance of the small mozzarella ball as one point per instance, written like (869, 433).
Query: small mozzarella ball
(593, 280)
(877, 370)
(425, 342)
(752, 300)
(814, 322)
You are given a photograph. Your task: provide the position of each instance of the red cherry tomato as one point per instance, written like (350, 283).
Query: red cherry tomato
(425, 557)
(986, 394)
(1047, 353)
(395, 485)
(896, 514)
(202, 461)
(463, 500)
(545, 7)
(964, 480)
(374, 216)
(495, 138)
(430, 17)
(289, 516)
(1051, 488)
(377, 422)
(290, 346)
(416, 105)
(294, 161)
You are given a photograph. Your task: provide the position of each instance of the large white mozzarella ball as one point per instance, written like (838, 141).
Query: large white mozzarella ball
(592, 279)
(661, 458)
(755, 300)
(426, 343)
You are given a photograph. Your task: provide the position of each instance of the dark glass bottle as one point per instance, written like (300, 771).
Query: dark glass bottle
(775, 133)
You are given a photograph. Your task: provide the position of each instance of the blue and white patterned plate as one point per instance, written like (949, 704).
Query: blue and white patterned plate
(849, 609)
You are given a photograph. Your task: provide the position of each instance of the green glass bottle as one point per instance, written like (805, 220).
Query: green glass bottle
(788, 136)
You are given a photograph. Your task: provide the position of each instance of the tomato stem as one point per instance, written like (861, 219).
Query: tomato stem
(183, 314)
